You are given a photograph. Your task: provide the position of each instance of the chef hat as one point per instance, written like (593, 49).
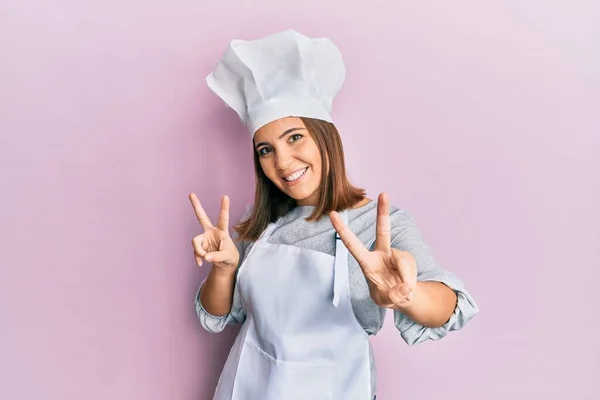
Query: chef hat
(280, 75)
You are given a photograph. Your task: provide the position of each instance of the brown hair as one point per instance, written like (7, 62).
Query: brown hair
(336, 192)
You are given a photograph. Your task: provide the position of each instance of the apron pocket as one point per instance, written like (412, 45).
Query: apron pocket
(260, 377)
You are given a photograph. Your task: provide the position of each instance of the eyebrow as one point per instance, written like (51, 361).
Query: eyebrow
(281, 136)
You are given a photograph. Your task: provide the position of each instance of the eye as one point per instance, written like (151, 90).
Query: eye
(295, 137)
(263, 151)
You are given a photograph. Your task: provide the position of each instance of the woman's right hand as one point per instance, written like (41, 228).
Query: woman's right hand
(215, 245)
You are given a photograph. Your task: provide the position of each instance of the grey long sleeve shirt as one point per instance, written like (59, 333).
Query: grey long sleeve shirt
(293, 229)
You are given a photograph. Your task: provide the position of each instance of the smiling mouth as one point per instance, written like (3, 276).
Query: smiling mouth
(296, 175)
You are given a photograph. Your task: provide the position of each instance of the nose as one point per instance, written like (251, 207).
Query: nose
(283, 160)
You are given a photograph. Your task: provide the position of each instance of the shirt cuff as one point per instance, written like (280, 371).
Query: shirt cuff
(211, 323)
(466, 308)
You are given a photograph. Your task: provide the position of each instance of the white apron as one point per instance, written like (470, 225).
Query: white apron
(301, 339)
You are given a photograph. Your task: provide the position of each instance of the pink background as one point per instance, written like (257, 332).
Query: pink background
(482, 120)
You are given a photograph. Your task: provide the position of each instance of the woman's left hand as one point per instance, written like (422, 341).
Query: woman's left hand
(390, 273)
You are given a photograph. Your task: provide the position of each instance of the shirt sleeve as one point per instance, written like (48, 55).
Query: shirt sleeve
(407, 237)
(217, 323)
(237, 315)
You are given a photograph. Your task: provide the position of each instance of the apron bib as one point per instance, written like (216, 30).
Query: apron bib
(301, 339)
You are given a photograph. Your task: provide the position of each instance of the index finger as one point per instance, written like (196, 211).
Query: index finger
(354, 246)
(200, 213)
(383, 229)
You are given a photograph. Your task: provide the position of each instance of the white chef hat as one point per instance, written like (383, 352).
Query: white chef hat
(280, 75)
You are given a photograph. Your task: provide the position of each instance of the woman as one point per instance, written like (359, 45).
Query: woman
(317, 263)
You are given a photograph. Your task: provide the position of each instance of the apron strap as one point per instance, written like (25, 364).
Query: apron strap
(267, 232)
(340, 279)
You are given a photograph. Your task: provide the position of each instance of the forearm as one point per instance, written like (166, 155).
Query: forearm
(432, 304)
(216, 295)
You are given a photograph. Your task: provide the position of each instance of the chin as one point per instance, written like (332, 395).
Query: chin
(300, 192)
(302, 197)
(299, 196)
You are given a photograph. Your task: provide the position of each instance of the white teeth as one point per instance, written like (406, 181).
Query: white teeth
(296, 175)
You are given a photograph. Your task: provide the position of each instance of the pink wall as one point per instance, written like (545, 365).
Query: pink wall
(480, 119)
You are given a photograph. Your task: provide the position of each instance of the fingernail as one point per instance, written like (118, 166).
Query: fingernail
(208, 258)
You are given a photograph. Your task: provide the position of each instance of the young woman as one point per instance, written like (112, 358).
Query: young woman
(316, 263)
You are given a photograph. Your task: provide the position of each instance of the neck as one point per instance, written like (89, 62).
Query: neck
(309, 202)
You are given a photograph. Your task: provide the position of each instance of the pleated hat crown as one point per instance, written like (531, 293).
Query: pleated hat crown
(280, 75)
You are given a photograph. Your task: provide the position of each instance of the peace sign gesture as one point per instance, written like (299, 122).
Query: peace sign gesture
(214, 245)
(390, 273)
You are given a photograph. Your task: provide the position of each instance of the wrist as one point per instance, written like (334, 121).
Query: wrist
(222, 273)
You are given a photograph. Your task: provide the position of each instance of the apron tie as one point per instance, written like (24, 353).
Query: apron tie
(340, 272)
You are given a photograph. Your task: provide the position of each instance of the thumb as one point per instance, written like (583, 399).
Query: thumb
(218, 256)
(209, 256)
(400, 294)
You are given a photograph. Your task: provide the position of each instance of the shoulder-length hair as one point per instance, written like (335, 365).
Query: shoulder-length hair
(336, 191)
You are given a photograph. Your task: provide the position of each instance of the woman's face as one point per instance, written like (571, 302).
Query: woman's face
(290, 158)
